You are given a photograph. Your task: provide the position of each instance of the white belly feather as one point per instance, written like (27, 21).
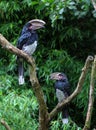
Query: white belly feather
(60, 95)
(30, 48)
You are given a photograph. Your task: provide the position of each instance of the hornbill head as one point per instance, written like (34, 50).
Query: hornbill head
(35, 24)
(58, 76)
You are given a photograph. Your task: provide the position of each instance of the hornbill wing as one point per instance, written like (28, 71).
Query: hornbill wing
(63, 86)
(65, 111)
(62, 91)
(23, 39)
(66, 87)
(28, 42)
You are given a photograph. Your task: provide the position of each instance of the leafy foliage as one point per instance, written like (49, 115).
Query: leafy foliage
(66, 41)
(18, 111)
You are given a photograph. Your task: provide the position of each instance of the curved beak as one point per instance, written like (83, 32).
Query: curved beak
(37, 24)
(54, 76)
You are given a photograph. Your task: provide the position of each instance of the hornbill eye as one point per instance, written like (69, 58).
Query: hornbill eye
(27, 42)
(61, 76)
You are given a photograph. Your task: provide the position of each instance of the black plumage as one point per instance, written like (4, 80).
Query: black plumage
(62, 91)
(28, 37)
(28, 42)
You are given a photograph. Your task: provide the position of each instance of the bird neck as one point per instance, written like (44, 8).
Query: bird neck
(32, 31)
(27, 30)
(62, 80)
(59, 85)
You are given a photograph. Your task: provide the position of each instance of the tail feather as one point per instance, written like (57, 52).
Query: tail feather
(20, 71)
(65, 116)
(65, 120)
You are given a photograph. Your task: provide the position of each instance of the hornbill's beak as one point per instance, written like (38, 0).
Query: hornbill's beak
(37, 24)
(55, 75)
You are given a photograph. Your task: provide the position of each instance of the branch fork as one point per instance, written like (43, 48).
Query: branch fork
(44, 116)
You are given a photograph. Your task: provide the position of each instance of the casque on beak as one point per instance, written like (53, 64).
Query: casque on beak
(54, 76)
(37, 24)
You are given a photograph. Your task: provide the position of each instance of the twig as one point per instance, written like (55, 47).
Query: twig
(4, 123)
(77, 90)
(91, 97)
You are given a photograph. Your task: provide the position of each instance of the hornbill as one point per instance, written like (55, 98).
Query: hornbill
(28, 43)
(62, 91)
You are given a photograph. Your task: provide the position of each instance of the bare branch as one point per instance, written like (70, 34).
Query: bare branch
(4, 123)
(94, 3)
(91, 97)
(43, 114)
(77, 90)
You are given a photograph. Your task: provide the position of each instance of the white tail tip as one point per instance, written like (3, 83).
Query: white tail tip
(21, 80)
(65, 120)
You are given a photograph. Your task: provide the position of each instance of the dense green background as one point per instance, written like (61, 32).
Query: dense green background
(65, 43)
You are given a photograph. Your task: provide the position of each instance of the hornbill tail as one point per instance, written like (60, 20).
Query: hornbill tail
(21, 72)
(65, 116)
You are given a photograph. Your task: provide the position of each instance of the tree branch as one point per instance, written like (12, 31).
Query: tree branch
(77, 90)
(4, 123)
(35, 83)
(44, 116)
(91, 97)
(94, 3)
(6, 45)
(43, 113)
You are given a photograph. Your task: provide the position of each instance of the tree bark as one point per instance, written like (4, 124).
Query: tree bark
(77, 90)
(43, 112)
(91, 97)
(94, 3)
(4, 123)
(44, 116)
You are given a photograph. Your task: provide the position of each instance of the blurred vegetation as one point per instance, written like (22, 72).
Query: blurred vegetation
(65, 43)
